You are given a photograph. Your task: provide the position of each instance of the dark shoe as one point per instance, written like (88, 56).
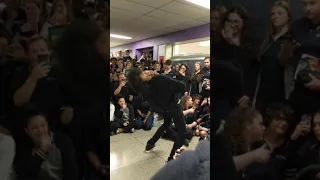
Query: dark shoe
(149, 147)
(186, 142)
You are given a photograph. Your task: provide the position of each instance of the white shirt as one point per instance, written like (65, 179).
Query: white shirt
(7, 152)
(112, 109)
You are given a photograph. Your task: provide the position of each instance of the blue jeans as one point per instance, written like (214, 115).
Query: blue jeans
(147, 125)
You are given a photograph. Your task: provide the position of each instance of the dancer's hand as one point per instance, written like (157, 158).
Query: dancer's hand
(198, 120)
(144, 121)
(125, 124)
(178, 153)
(186, 93)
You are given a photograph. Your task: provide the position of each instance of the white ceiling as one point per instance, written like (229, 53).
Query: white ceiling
(142, 19)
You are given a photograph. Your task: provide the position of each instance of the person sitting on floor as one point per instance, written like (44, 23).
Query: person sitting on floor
(124, 115)
(46, 155)
(145, 115)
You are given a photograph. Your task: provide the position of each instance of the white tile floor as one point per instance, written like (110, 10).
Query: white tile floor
(128, 161)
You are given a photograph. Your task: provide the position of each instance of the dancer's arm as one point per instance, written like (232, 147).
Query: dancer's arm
(177, 86)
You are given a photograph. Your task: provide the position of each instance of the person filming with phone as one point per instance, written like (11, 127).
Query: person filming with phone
(36, 82)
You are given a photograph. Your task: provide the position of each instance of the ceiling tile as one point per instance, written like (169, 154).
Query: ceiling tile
(195, 23)
(130, 6)
(186, 10)
(160, 14)
(152, 3)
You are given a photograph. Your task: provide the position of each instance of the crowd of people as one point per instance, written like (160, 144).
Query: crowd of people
(268, 92)
(129, 109)
(46, 128)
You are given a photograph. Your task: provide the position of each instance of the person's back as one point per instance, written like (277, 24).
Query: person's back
(162, 93)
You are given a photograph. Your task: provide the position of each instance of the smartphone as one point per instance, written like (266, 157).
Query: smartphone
(44, 58)
(306, 119)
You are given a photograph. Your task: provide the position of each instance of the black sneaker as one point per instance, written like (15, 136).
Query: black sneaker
(149, 147)
(186, 142)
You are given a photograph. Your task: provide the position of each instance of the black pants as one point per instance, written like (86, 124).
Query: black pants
(171, 134)
(114, 126)
(179, 122)
(128, 128)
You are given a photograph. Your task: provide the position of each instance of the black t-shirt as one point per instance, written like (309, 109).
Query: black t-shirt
(124, 92)
(46, 95)
(194, 84)
(308, 35)
(172, 74)
(272, 72)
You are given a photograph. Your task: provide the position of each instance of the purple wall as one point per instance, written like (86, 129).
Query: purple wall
(184, 35)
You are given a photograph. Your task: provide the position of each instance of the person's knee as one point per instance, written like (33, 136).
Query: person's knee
(203, 133)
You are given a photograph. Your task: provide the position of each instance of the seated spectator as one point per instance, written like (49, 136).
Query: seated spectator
(145, 115)
(196, 101)
(188, 111)
(279, 118)
(244, 127)
(59, 16)
(37, 83)
(125, 116)
(308, 153)
(203, 119)
(47, 155)
(114, 125)
(7, 152)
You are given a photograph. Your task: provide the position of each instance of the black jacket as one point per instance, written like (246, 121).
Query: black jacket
(229, 84)
(161, 93)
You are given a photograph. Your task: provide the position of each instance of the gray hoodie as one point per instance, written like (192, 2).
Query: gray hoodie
(7, 152)
(191, 165)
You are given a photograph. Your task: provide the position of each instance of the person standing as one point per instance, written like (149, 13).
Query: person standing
(151, 86)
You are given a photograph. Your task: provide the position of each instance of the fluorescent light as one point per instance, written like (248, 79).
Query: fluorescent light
(203, 3)
(205, 43)
(119, 36)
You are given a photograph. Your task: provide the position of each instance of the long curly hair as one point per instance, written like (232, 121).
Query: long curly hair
(236, 122)
(247, 35)
(83, 71)
(183, 102)
(134, 81)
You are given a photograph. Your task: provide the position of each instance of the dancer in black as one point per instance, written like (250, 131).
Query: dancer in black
(160, 92)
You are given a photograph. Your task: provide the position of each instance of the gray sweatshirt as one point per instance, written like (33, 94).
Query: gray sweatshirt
(7, 152)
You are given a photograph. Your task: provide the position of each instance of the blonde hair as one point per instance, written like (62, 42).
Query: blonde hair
(194, 70)
(285, 5)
